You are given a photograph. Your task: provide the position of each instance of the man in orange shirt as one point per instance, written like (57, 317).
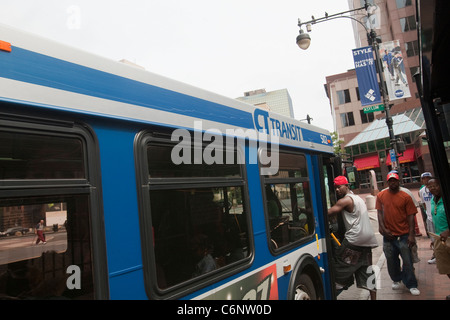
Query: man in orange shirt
(396, 212)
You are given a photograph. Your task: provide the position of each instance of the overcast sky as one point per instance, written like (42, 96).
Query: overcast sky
(224, 46)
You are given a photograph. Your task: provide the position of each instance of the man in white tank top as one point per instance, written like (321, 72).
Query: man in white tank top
(354, 256)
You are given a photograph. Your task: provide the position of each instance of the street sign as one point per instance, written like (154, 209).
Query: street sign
(379, 107)
(393, 155)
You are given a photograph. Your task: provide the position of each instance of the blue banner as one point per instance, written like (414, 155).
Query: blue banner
(366, 73)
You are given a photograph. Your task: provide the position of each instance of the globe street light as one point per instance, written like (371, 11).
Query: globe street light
(303, 40)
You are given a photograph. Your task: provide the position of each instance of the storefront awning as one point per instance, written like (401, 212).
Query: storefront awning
(368, 162)
(408, 156)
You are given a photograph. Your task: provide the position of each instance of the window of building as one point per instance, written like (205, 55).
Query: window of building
(289, 211)
(347, 119)
(406, 137)
(408, 23)
(362, 2)
(343, 96)
(357, 94)
(195, 214)
(412, 48)
(380, 145)
(413, 71)
(363, 148)
(366, 117)
(355, 150)
(403, 3)
(348, 150)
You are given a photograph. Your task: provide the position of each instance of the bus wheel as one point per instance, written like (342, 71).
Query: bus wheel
(306, 281)
(304, 289)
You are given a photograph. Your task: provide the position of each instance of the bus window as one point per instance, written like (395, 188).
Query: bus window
(288, 202)
(201, 229)
(44, 177)
(197, 213)
(33, 156)
(30, 268)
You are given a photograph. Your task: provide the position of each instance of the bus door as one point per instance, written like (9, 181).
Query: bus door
(331, 167)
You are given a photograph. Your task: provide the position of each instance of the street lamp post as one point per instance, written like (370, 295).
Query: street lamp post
(304, 40)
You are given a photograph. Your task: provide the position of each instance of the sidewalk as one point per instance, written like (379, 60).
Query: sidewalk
(432, 285)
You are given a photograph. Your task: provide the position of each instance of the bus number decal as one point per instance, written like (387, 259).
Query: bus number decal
(259, 286)
(263, 290)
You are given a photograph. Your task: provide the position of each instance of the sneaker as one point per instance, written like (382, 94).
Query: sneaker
(396, 285)
(44, 242)
(432, 261)
(414, 291)
(339, 286)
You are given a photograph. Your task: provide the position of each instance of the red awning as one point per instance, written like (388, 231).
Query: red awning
(408, 156)
(368, 162)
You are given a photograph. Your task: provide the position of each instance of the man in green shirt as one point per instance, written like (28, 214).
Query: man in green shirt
(441, 249)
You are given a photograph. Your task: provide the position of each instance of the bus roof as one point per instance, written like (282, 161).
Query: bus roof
(43, 73)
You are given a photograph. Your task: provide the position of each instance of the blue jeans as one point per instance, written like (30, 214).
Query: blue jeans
(392, 250)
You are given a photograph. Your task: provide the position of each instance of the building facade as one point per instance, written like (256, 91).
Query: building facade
(278, 101)
(361, 133)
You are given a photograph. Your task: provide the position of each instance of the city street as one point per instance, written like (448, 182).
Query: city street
(17, 248)
(432, 285)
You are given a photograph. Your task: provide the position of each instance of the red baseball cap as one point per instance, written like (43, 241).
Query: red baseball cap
(340, 180)
(392, 175)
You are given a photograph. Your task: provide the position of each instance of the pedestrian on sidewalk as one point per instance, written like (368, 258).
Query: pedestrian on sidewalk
(441, 247)
(396, 212)
(425, 205)
(354, 256)
(416, 203)
(39, 230)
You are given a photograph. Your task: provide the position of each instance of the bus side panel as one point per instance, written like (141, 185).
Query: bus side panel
(128, 286)
(120, 211)
(262, 253)
(283, 285)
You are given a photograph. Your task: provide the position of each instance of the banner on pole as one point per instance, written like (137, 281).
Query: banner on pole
(394, 70)
(366, 73)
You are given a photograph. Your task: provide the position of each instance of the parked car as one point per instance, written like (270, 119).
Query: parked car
(13, 231)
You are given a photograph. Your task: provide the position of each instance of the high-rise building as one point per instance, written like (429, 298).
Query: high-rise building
(278, 101)
(365, 135)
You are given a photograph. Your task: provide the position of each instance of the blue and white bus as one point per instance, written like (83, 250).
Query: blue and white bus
(149, 188)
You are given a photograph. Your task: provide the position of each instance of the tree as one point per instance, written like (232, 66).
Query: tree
(336, 143)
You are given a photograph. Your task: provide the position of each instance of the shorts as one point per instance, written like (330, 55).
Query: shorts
(442, 254)
(354, 263)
